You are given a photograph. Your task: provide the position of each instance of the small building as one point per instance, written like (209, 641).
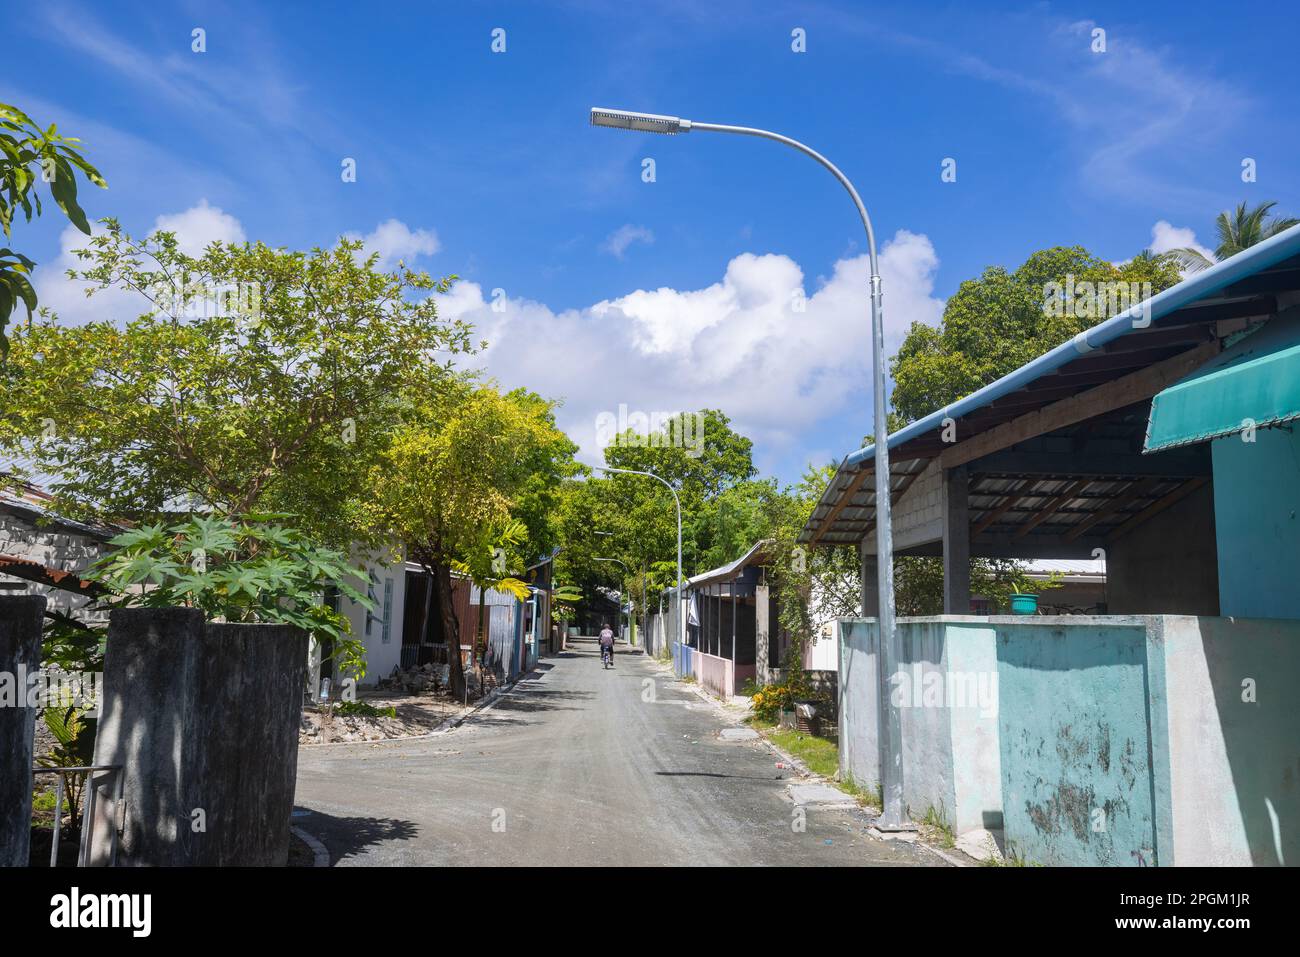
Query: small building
(44, 553)
(1160, 441)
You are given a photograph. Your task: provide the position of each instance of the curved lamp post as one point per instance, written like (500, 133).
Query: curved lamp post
(893, 817)
(629, 571)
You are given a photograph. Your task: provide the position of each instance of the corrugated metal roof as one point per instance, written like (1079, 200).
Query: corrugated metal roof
(1193, 315)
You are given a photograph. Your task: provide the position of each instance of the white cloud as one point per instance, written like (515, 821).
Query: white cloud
(394, 240)
(774, 355)
(195, 228)
(617, 242)
(67, 299)
(1166, 236)
(200, 225)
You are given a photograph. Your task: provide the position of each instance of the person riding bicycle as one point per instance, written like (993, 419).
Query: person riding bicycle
(607, 643)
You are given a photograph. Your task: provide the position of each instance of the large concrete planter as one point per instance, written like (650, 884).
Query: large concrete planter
(204, 718)
(20, 657)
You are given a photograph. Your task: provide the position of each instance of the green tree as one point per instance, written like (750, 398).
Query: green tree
(992, 326)
(995, 324)
(634, 519)
(448, 479)
(254, 379)
(29, 155)
(1239, 229)
(251, 569)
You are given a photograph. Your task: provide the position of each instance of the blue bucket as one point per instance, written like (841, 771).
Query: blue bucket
(1024, 604)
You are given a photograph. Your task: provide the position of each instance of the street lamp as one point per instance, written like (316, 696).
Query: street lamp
(629, 571)
(678, 626)
(893, 817)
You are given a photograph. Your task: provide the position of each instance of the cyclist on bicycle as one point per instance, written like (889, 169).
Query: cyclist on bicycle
(607, 643)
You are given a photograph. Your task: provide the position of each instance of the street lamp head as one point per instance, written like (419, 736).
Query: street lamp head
(645, 122)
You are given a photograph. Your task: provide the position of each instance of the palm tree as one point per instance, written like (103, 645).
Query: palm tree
(1240, 230)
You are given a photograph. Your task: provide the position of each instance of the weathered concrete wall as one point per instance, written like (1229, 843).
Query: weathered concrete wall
(20, 655)
(1074, 742)
(204, 717)
(1164, 566)
(1257, 511)
(1223, 689)
(762, 633)
(1127, 741)
(947, 693)
(54, 547)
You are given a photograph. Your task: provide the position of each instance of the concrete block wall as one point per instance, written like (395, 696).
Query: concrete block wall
(54, 548)
(918, 515)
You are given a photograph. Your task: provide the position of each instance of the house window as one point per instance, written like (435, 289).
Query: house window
(388, 611)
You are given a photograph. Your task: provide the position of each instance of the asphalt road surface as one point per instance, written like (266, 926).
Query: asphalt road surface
(578, 765)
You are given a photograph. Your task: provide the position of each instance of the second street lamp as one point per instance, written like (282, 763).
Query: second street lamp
(629, 571)
(679, 629)
(893, 816)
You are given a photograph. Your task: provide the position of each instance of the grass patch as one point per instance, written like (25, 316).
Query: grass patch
(941, 830)
(821, 755)
(364, 710)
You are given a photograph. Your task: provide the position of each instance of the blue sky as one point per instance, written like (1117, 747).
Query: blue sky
(681, 292)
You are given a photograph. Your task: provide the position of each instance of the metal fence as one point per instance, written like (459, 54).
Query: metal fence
(93, 786)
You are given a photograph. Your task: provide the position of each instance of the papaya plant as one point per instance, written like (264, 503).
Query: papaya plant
(248, 569)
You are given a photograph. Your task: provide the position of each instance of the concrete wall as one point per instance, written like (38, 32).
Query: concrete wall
(918, 515)
(1074, 741)
(822, 652)
(1162, 567)
(52, 546)
(1224, 689)
(1131, 741)
(204, 719)
(949, 727)
(1257, 506)
(20, 658)
(386, 584)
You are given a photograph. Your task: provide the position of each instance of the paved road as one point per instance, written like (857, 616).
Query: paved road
(576, 767)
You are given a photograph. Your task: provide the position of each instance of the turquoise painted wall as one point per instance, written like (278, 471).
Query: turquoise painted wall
(1118, 740)
(1075, 741)
(1257, 521)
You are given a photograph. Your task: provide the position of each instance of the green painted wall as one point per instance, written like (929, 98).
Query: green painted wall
(1257, 520)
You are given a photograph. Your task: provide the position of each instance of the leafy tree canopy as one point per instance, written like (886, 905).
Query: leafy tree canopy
(254, 378)
(994, 324)
(30, 155)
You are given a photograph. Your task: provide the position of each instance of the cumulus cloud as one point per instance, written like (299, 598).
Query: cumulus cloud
(1166, 236)
(394, 241)
(67, 298)
(200, 225)
(774, 354)
(617, 242)
(195, 228)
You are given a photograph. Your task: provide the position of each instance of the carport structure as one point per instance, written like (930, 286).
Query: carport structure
(730, 623)
(1049, 461)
